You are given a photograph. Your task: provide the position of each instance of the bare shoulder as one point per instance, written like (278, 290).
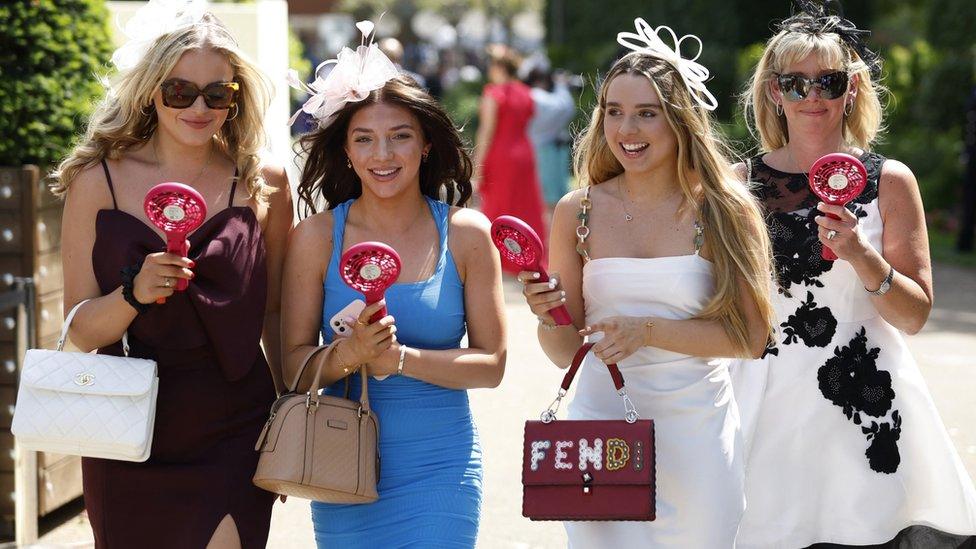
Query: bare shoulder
(896, 173)
(89, 190)
(276, 178)
(569, 205)
(313, 233)
(468, 226)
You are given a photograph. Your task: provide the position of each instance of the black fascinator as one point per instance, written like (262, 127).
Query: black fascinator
(813, 17)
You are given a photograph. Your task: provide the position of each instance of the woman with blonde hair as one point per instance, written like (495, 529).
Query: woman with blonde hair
(664, 262)
(185, 106)
(848, 447)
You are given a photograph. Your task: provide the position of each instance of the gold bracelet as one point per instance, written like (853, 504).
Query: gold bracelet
(342, 363)
(647, 336)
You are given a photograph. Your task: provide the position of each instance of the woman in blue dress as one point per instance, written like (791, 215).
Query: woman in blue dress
(381, 164)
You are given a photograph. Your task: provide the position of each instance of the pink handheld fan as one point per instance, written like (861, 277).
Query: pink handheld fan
(837, 178)
(178, 210)
(370, 268)
(520, 245)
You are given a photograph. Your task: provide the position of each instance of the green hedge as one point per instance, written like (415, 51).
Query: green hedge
(50, 52)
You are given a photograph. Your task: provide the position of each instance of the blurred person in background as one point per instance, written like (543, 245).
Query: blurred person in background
(504, 162)
(549, 131)
(394, 51)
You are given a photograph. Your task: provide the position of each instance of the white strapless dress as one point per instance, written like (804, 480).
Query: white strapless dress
(698, 443)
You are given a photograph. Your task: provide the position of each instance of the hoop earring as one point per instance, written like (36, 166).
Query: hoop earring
(848, 111)
(237, 111)
(779, 109)
(147, 110)
(349, 163)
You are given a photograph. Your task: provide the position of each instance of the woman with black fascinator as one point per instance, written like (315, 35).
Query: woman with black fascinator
(849, 449)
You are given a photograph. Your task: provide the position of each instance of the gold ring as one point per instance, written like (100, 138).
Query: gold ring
(361, 323)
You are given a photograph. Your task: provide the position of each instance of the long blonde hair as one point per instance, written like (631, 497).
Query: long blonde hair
(732, 222)
(120, 122)
(861, 127)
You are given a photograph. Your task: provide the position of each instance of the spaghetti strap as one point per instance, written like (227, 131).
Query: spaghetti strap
(233, 189)
(111, 188)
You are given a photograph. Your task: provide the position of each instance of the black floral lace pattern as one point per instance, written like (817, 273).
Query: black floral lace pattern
(790, 208)
(814, 325)
(850, 379)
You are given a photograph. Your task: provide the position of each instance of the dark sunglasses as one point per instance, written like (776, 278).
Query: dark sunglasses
(180, 94)
(796, 87)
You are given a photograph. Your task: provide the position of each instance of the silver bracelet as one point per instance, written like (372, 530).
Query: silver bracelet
(403, 352)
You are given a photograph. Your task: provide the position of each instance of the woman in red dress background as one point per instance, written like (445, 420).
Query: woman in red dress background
(505, 163)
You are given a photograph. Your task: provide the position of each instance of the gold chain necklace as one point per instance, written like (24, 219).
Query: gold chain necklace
(159, 165)
(624, 198)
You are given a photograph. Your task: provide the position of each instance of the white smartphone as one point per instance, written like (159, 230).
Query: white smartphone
(338, 323)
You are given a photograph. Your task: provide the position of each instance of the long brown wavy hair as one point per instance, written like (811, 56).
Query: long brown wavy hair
(445, 175)
(734, 228)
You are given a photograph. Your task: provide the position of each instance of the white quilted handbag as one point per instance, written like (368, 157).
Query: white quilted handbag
(86, 404)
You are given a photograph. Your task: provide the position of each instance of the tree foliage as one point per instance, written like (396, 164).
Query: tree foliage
(50, 52)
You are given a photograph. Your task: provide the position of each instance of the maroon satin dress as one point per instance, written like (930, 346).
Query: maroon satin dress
(215, 389)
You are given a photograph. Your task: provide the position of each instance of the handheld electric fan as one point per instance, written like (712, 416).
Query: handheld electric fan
(837, 179)
(521, 246)
(370, 268)
(178, 210)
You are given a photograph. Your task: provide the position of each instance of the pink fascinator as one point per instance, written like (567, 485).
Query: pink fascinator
(354, 75)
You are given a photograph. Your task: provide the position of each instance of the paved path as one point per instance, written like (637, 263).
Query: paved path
(945, 350)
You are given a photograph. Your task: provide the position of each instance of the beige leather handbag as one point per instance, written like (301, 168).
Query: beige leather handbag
(319, 447)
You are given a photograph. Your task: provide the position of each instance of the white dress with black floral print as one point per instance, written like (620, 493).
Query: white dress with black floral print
(848, 446)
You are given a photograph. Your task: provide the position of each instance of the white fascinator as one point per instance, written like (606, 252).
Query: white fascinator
(156, 18)
(354, 75)
(648, 40)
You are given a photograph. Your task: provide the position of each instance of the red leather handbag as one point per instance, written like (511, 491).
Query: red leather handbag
(588, 469)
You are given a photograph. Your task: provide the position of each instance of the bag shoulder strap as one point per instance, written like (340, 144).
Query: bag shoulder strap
(67, 323)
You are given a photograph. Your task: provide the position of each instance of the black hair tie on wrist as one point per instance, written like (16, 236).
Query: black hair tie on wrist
(128, 282)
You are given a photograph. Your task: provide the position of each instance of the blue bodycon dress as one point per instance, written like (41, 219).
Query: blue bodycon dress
(430, 477)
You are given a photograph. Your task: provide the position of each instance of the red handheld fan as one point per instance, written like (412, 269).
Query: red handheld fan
(370, 268)
(521, 246)
(178, 210)
(837, 179)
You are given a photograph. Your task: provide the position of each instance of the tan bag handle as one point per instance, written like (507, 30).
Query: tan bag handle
(313, 391)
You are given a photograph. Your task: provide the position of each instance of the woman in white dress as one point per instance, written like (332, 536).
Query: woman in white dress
(672, 272)
(848, 448)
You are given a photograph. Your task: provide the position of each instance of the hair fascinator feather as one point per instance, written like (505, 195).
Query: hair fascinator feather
(647, 40)
(813, 17)
(156, 18)
(353, 75)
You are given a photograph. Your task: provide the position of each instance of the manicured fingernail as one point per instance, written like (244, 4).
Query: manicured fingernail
(193, 264)
(192, 275)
